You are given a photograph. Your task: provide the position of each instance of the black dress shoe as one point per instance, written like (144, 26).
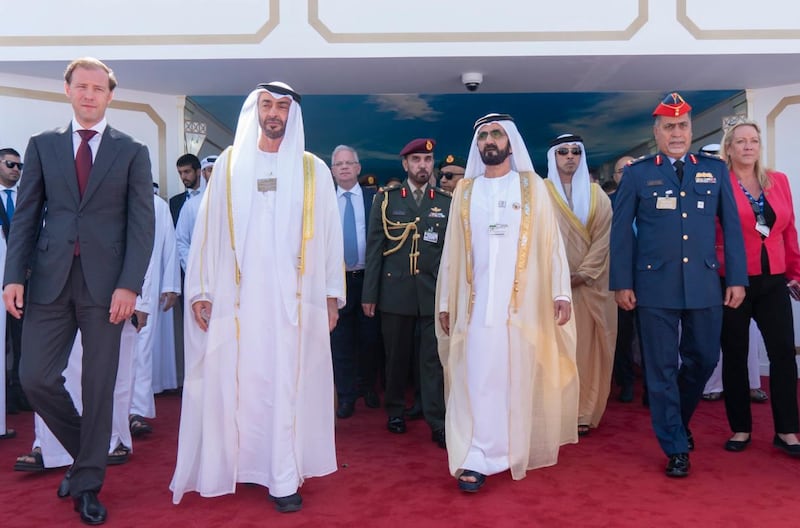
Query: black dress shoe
(789, 449)
(345, 409)
(678, 465)
(689, 439)
(413, 413)
(737, 445)
(288, 504)
(372, 400)
(90, 509)
(437, 436)
(63, 488)
(396, 425)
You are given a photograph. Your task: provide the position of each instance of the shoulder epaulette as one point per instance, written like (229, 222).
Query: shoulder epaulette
(641, 159)
(705, 155)
(443, 192)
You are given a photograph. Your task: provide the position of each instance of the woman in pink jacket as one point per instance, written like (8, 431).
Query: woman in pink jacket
(764, 201)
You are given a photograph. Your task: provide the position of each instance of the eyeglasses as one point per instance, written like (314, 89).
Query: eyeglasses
(564, 151)
(340, 164)
(495, 133)
(11, 164)
(450, 175)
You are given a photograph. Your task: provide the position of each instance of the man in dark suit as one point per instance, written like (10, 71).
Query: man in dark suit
(189, 171)
(10, 172)
(404, 245)
(669, 270)
(92, 187)
(354, 341)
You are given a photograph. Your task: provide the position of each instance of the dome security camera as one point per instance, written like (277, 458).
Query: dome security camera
(472, 80)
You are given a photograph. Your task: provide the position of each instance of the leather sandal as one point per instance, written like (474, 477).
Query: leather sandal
(139, 426)
(119, 455)
(471, 487)
(24, 463)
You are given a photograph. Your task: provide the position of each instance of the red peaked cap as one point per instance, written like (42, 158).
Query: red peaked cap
(673, 105)
(418, 146)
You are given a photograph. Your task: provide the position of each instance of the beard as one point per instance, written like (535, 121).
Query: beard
(491, 155)
(421, 176)
(273, 133)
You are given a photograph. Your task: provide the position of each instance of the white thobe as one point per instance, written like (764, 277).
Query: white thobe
(494, 257)
(258, 393)
(151, 348)
(53, 453)
(185, 227)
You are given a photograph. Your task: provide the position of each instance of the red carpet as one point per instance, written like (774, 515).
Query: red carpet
(614, 478)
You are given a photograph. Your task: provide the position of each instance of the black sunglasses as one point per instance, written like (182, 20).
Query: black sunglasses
(449, 175)
(11, 164)
(564, 151)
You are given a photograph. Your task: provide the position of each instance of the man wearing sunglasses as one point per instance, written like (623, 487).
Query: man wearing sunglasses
(10, 171)
(668, 271)
(451, 170)
(10, 328)
(584, 216)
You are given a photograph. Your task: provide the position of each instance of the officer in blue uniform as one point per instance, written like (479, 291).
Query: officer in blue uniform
(669, 270)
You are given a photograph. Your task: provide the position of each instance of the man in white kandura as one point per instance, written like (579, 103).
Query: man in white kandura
(265, 280)
(506, 340)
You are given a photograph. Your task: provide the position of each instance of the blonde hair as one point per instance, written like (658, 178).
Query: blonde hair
(727, 140)
(90, 63)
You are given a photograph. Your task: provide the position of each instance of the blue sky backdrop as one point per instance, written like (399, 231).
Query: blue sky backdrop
(378, 126)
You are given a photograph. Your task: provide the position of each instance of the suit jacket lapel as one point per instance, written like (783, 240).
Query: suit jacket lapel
(368, 196)
(65, 153)
(102, 162)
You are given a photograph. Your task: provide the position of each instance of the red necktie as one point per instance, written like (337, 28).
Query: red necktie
(83, 159)
(83, 166)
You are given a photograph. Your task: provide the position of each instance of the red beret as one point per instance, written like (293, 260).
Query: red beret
(418, 146)
(673, 105)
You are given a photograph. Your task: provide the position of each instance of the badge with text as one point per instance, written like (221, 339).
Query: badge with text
(266, 184)
(430, 236)
(498, 229)
(762, 228)
(666, 202)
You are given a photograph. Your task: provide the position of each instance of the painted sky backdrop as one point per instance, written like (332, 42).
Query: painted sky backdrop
(378, 126)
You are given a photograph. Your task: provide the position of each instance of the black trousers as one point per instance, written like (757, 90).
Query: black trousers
(398, 337)
(355, 345)
(48, 332)
(767, 301)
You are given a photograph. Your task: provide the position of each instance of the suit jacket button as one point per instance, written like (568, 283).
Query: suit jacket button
(685, 260)
(684, 215)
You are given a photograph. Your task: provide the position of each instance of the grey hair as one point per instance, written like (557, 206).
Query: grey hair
(344, 147)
